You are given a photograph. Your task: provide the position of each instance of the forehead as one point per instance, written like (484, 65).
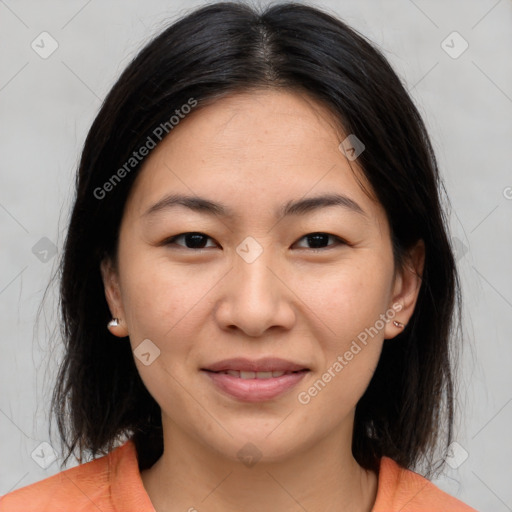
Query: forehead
(252, 151)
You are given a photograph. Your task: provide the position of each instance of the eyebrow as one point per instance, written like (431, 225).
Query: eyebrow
(293, 207)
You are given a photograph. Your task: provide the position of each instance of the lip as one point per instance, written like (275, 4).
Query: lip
(266, 364)
(255, 389)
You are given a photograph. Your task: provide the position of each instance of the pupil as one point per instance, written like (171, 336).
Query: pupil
(194, 240)
(316, 240)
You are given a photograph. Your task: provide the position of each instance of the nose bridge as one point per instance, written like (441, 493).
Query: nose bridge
(255, 299)
(254, 279)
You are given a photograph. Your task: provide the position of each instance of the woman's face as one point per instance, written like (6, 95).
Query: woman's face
(251, 291)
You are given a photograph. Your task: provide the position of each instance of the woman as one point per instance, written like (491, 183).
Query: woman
(257, 289)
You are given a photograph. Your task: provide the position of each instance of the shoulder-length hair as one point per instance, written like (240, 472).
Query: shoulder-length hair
(227, 48)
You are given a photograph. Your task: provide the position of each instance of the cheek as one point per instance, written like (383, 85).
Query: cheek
(166, 303)
(348, 299)
(349, 303)
(159, 296)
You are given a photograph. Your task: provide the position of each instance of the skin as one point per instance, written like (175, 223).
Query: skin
(253, 152)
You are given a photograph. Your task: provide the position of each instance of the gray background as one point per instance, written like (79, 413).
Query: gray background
(47, 106)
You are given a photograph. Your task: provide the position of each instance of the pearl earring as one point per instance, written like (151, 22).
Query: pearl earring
(398, 324)
(113, 323)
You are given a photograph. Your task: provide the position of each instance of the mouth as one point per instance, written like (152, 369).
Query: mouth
(263, 366)
(239, 374)
(254, 380)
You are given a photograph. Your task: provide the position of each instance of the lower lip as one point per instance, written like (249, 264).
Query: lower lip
(255, 390)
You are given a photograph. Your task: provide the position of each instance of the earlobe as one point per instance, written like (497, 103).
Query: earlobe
(117, 325)
(406, 289)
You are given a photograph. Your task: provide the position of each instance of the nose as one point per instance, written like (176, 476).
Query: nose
(255, 298)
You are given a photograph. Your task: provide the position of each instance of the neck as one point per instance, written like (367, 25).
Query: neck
(322, 477)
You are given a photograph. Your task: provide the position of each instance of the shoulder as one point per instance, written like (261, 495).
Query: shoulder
(407, 491)
(84, 487)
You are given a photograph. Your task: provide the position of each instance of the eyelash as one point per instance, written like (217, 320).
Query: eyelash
(172, 240)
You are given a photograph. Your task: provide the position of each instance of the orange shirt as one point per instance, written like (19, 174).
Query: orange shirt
(112, 483)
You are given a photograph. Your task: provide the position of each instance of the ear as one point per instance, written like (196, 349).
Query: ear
(406, 288)
(113, 296)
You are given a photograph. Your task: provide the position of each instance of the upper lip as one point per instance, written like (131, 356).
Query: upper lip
(266, 364)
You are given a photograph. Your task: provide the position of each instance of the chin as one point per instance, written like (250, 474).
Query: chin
(253, 445)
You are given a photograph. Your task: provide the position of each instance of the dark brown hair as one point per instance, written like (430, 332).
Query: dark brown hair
(226, 48)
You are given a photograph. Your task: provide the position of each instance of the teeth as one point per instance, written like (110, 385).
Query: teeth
(254, 375)
(263, 375)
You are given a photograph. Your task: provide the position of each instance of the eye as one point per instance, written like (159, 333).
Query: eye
(319, 240)
(193, 240)
(197, 241)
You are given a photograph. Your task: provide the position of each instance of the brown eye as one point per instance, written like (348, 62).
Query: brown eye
(321, 240)
(192, 240)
